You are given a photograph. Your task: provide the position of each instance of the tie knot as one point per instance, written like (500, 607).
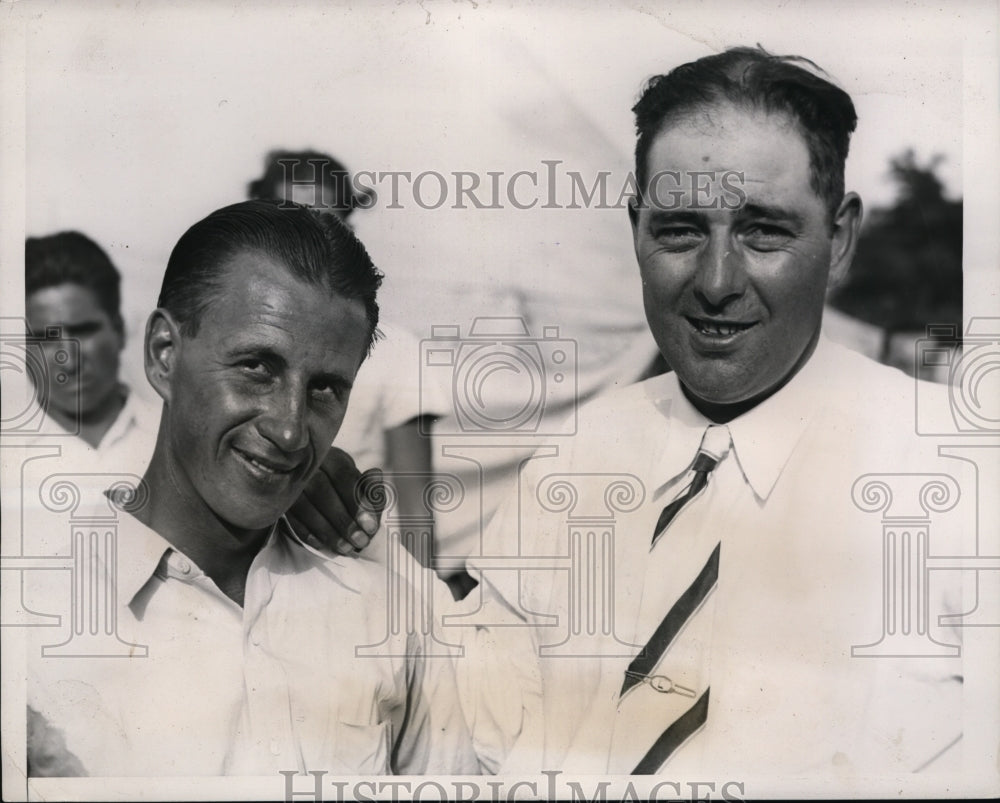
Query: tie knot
(714, 446)
(704, 462)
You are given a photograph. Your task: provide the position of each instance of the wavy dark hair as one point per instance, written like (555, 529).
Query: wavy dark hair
(70, 257)
(315, 248)
(755, 80)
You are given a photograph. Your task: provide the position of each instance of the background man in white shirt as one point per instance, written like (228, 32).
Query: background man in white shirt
(265, 315)
(731, 632)
(71, 285)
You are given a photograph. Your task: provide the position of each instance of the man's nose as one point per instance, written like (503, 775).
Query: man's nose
(721, 275)
(284, 419)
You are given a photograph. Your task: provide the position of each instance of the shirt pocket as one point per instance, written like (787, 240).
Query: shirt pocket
(359, 749)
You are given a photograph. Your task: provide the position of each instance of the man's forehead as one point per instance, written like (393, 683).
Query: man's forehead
(259, 281)
(68, 300)
(726, 137)
(724, 157)
(264, 305)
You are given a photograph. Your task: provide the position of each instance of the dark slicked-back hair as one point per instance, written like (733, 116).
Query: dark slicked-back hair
(70, 257)
(310, 167)
(315, 248)
(756, 81)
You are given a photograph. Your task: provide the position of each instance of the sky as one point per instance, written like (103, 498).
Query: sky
(131, 122)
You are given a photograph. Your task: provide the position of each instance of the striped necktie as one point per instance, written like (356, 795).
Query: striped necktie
(714, 448)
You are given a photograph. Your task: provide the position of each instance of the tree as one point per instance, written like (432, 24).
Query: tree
(908, 269)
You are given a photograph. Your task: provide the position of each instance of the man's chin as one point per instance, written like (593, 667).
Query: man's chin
(255, 518)
(707, 384)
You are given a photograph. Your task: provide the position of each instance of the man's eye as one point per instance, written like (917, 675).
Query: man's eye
(764, 237)
(327, 391)
(678, 236)
(254, 368)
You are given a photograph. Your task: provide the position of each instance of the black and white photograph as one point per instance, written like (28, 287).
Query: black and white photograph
(567, 399)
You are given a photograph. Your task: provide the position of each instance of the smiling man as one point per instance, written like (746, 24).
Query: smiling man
(245, 638)
(734, 296)
(721, 572)
(72, 288)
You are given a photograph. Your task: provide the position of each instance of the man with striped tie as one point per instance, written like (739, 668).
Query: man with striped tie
(693, 568)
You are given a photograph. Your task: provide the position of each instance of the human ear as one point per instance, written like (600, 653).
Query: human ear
(634, 206)
(163, 339)
(846, 229)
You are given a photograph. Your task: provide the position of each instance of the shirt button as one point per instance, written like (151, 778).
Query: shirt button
(184, 566)
(275, 749)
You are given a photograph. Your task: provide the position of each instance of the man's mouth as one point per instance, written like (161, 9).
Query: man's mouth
(264, 465)
(717, 328)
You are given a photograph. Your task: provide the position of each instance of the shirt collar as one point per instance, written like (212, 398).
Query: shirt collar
(140, 551)
(763, 438)
(686, 428)
(143, 553)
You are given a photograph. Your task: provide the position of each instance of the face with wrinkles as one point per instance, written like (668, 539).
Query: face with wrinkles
(735, 251)
(255, 398)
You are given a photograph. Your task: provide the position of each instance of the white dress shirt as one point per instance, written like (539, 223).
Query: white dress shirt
(800, 584)
(126, 447)
(276, 685)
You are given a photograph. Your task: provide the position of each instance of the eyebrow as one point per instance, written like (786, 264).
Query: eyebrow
(767, 212)
(268, 354)
(675, 216)
(79, 327)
